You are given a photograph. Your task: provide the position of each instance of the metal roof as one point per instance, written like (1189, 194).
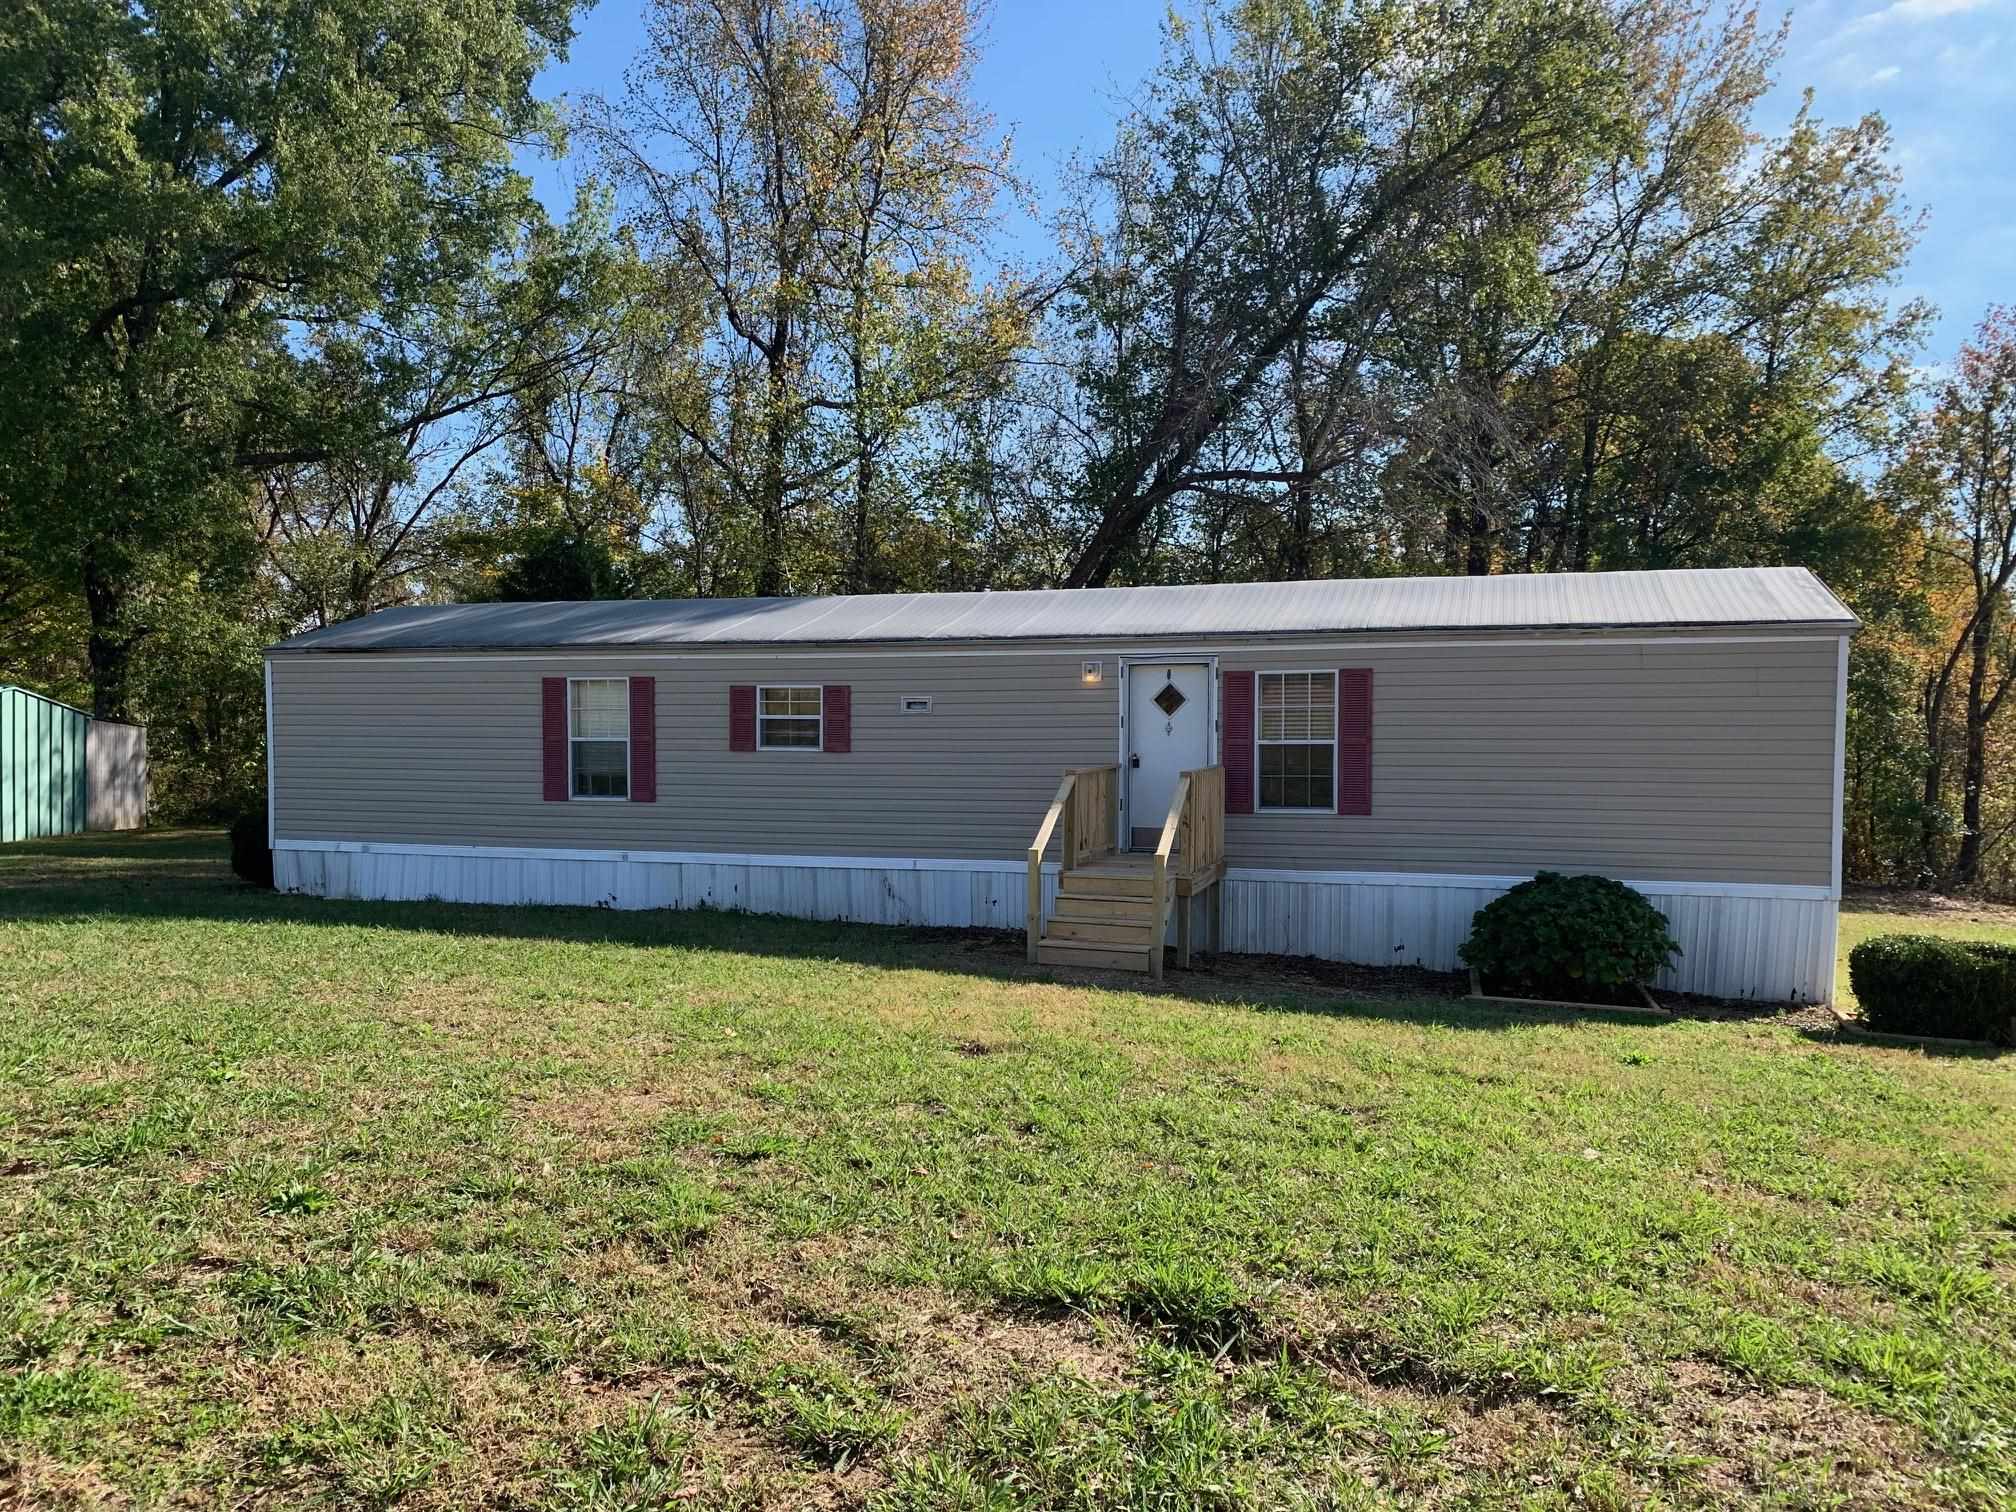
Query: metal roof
(1704, 597)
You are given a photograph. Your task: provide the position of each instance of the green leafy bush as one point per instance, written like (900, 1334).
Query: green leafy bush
(1923, 984)
(1583, 938)
(251, 856)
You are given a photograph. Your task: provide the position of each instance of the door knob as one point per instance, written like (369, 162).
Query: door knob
(1133, 761)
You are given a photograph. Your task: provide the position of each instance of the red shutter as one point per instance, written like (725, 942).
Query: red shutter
(1354, 740)
(643, 740)
(553, 736)
(742, 717)
(1237, 754)
(836, 702)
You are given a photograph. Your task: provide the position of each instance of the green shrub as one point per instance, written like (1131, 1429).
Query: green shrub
(1586, 938)
(1923, 984)
(251, 856)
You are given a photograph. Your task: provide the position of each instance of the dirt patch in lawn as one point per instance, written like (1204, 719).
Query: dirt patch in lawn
(1916, 903)
(1787, 1443)
(1218, 978)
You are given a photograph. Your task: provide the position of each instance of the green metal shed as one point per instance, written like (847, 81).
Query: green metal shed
(42, 766)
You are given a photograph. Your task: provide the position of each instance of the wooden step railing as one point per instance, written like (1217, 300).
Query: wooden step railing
(1193, 835)
(1086, 805)
(1201, 837)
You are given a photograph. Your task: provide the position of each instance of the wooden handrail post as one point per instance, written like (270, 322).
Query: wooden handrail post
(1161, 924)
(1083, 808)
(1178, 801)
(1037, 846)
(1035, 901)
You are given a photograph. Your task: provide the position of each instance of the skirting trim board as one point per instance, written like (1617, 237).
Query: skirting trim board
(1738, 940)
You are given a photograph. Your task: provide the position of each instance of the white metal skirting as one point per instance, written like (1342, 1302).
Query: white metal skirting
(958, 896)
(1767, 948)
(1737, 941)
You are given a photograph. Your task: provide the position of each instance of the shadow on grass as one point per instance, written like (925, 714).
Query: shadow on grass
(1981, 1050)
(141, 847)
(178, 875)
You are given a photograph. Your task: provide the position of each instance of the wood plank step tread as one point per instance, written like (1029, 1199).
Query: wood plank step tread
(1087, 953)
(1103, 911)
(1133, 900)
(1117, 932)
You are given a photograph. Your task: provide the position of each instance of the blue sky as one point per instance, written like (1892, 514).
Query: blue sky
(1942, 72)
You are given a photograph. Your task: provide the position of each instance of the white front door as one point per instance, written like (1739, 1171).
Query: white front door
(1168, 733)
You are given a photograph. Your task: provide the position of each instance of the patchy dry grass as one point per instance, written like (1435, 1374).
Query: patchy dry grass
(436, 1207)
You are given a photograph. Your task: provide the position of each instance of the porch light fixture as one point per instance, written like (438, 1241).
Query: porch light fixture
(1095, 672)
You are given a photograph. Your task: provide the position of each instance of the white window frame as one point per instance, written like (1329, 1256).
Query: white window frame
(629, 751)
(1258, 679)
(761, 718)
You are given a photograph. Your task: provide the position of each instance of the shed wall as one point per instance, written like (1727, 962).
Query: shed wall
(42, 766)
(1686, 758)
(116, 785)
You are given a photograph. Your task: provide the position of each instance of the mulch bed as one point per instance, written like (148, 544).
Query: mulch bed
(1373, 983)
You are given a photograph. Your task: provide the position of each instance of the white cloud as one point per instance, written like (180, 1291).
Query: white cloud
(1909, 13)
(1884, 75)
(1965, 62)
(1926, 10)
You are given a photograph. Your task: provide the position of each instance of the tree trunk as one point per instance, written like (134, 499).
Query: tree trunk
(1974, 761)
(1930, 792)
(1455, 525)
(860, 571)
(363, 588)
(1478, 561)
(110, 648)
(1123, 516)
(770, 505)
(1299, 560)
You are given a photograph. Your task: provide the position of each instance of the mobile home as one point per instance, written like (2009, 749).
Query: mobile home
(1346, 769)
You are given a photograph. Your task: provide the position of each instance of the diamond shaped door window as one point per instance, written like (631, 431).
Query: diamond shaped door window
(1170, 699)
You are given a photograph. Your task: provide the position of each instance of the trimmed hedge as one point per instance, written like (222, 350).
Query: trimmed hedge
(1581, 938)
(251, 857)
(1926, 984)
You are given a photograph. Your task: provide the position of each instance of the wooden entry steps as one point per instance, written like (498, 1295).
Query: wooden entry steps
(1105, 916)
(1113, 908)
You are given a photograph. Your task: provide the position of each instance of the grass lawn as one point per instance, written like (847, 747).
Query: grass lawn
(316, 1203)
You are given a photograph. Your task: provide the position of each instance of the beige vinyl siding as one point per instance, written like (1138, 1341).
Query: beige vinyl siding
(1684, 758)
(447, 751)
(1677, 760)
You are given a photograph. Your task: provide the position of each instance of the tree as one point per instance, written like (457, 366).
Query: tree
(219, 224)
(552, 564)
(820, 165)
(1291, 164)
(363, 529)
(1656, 356)
(1963, 466)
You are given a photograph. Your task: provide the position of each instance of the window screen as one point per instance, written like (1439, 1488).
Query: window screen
(1298, 740)
(787, 719)
(599, 736)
